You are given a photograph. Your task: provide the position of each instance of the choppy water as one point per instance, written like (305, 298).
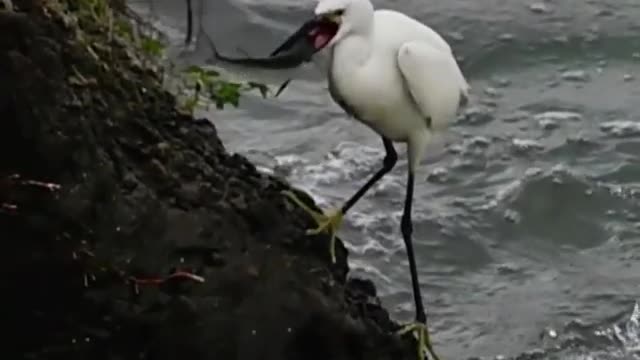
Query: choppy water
(527, 213)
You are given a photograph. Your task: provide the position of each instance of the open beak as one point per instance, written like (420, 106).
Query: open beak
(317, 32)
(300, 47)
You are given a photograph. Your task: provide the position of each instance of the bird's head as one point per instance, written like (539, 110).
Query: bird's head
(333, 20)
(343, 17)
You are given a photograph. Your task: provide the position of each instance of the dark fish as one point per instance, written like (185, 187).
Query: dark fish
(296, 50)
(304, 32)
(294, 55)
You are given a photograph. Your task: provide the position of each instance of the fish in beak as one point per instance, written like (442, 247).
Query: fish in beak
(316, 33)
(298, 48)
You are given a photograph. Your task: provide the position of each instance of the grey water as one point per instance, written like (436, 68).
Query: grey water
(527, 211)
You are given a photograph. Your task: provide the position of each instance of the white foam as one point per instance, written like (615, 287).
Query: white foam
(365, 221)
(389, 184)
(364, 266)
(526, 144)
(344, 163)
(627, 334)
(349, 161)
(287, 164)
(367, 247)
(552, 119)
(575, 75)
(475, 115)
(621, 128)
(438, 175)
(511, 189)
(558, 116)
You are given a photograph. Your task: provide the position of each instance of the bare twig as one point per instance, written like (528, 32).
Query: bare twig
(187, 41)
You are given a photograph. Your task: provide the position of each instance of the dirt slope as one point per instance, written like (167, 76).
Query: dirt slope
(146, 192)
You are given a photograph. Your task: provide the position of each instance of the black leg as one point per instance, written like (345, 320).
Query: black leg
(407, 229)
(389, 162)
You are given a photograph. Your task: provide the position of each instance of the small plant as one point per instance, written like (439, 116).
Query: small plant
(207, 86)
(204, 86)
(98, 10)
(124, 29)
(151, 47)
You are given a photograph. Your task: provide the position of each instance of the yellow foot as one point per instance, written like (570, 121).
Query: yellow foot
(421, 332)
(329, 223)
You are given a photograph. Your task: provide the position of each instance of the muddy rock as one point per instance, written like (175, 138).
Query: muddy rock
(158, 243)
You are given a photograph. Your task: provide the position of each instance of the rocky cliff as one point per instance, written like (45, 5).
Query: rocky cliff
(130, 233)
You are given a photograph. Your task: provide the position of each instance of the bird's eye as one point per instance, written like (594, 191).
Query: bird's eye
(339, 12)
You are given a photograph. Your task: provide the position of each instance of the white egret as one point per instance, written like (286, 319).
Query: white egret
(400, 78)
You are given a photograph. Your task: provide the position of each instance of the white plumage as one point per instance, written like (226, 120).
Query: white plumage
(400, 78)
(396, 75)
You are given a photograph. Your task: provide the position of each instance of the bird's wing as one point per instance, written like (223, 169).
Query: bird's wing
(434, 80)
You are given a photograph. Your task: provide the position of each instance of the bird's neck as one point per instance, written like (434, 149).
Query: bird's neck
(352, 52)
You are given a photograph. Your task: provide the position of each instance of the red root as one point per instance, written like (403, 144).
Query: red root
(176, 275)
(83, 254)
(159, 281)
(15, 179)
(49, 186)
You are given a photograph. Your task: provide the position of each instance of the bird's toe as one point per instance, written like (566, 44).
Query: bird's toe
(317, 216)
(329, 223)
(421, 333)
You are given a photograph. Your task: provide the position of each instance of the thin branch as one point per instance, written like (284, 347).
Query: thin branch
(187, 41)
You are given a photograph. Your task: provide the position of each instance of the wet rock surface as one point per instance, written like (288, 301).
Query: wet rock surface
(158, 244)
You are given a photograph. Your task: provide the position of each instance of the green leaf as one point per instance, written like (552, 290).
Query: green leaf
(152, 46)
(212, 73)
(193, 70)
(124, 29)
(264, 89)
